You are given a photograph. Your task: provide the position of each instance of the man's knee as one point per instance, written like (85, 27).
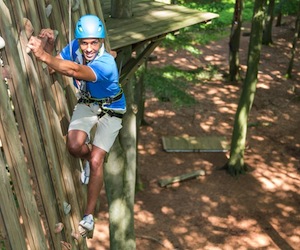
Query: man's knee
(74, 148)
(75, 141)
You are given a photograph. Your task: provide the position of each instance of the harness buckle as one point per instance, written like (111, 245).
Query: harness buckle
(84, 96)
(108, 101)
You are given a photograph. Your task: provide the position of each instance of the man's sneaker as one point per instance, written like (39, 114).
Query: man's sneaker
(85, 173)
(86, 226)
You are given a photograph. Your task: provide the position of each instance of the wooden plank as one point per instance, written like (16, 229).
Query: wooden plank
(9, 213)
(168, 181)
(61, 106)
(106, 6)
(139, 31)
(10, 227)
(153, 12)
(195, 144)
(151, 19)
(23, 107)
(3, 233)
(68, 177)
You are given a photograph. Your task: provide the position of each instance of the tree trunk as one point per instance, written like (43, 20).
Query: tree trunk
(120, 170)
(120, 175)
(279, 18)
(236, 163)
(294, 48)
(234, 42)
(267, 34)
(121, 8)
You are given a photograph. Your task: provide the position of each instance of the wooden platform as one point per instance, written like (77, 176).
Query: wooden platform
(195, 144)
(150, 20)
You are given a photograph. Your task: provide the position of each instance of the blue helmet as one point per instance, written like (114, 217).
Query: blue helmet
(89, 26)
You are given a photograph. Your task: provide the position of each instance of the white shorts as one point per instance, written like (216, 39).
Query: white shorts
(84, 118)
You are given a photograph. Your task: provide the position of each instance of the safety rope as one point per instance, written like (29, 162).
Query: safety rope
(70, 26)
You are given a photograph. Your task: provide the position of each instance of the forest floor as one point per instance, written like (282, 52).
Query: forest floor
(257, 210)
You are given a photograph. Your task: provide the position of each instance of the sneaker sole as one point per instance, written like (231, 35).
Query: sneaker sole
(84, 179)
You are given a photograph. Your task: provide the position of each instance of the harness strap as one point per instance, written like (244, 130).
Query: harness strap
(103, 101)
(111, 113)
(107, 100)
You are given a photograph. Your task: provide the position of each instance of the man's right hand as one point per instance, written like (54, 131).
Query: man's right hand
(36, 45)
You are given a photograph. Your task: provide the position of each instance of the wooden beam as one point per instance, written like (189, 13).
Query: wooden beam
(132, 65)
(168, 181)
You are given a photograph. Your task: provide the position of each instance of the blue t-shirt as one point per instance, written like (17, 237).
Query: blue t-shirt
(106, 72)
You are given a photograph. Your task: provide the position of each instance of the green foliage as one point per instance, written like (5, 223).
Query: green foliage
(248, 11)
(205, 33)
(2, 245)
(218, 28)
(169, 83)
(287, 7)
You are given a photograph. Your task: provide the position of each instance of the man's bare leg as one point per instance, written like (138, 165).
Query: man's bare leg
(95, 184)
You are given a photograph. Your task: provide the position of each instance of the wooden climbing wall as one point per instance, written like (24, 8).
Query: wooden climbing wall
(40, 185)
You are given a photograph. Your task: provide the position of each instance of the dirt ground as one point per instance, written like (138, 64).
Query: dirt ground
(258, 210)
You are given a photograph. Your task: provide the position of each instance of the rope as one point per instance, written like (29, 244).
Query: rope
(70, 26)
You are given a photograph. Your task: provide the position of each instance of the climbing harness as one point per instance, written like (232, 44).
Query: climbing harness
(102, 102)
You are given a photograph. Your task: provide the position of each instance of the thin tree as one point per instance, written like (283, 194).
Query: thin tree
(267, 34)
(279, 12)
(294, 48)
(234, 42)
(236, 164)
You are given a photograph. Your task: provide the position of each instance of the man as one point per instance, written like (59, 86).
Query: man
(101, 100)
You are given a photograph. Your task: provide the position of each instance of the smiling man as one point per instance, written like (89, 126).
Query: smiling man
(100, 100)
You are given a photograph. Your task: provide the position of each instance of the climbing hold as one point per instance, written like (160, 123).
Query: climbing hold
(2, 43)
(75, 5)
(67, 208)
(58, 227)
(49, 10)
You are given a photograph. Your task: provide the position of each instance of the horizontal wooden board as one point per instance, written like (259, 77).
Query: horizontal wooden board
(150, 20)
(195, 144)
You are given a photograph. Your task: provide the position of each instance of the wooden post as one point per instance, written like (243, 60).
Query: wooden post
(16, 68)
(120, 176)
(28, 126)
(10, 225)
